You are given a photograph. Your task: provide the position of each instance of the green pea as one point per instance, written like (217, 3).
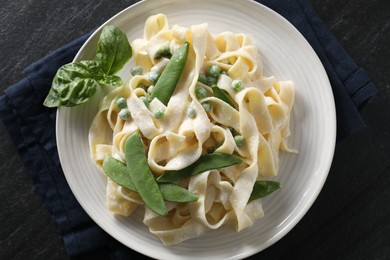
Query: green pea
(166, 85)
(121, 102)
(239, 140)
(200, 93)
(158, 114)
(237, 85)
(214, 71)
(211, 81)
(191, 112)
(146, 100)
(142, 176)
(137, 70)
(207, 106)
(202, 78)
(154, 75)
(124, 114)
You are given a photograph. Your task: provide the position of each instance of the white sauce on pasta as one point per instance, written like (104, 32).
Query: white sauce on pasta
(176, 140)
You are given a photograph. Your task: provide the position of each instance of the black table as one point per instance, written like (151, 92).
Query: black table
(350, 218)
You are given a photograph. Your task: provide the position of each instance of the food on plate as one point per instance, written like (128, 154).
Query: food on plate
(193, 139)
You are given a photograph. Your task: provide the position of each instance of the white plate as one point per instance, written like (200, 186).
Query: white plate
(288, 56)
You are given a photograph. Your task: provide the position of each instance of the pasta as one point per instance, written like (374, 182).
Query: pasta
(254, 128)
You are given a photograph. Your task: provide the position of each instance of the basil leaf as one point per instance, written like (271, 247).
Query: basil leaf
(95, 69)
(52, 99)
(72, 85)
(204, 163)
(111, 80)
(113, 50)
(76, 82)
(263, 188)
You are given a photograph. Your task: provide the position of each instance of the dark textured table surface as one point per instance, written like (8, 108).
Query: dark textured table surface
(349, 220)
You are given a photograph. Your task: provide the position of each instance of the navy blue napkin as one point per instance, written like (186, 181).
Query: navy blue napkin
(32, 126)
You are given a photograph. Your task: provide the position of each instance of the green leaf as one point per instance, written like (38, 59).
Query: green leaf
(142, 176)
(204, 163)
(223, 95)
(95, 69)
(113, 50)
(263, 188)
(72, 85)
(111, 80)
(52, 99)
(75, 83)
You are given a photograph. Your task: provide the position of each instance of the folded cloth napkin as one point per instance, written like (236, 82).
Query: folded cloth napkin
(32, 126)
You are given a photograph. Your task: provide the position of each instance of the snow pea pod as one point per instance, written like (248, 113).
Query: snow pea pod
(169, 78)
(204, 163)
(142, 176)
(263, 188)
(223, 95)
(117, 172)
(175, 193)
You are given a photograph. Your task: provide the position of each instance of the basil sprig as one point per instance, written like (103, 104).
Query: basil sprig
(76, 82)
